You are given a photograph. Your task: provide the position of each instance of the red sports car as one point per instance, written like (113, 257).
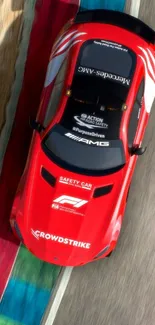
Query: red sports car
(71, 199)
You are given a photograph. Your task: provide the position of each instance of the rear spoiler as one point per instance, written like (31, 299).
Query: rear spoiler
(119, 19)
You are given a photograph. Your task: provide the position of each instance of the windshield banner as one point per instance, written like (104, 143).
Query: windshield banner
(102, 74)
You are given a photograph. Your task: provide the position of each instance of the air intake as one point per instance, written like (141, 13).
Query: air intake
(102, 191)
(50, 179)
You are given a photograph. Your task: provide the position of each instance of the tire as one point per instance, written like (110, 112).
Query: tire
(109, 254)
(128, 194)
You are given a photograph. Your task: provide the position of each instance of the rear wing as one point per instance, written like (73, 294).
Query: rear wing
(119, 19)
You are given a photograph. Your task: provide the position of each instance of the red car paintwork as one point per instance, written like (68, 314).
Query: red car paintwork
(60, 232)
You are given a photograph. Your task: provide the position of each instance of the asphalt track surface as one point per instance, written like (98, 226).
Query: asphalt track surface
(120, 290)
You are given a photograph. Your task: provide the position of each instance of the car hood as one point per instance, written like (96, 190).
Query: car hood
(60, 212)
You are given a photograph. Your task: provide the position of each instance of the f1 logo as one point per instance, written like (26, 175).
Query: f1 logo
(77, 203)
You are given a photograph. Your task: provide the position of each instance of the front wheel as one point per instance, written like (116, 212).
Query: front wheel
(109, 254)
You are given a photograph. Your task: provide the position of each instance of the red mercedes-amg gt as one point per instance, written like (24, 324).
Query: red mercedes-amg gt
(71, 199)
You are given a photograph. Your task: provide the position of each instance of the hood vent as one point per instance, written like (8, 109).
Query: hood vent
(50, 179)
(100, 191)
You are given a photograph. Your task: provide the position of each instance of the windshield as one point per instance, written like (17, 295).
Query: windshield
(98, 56)
(83, 155)
(87, 140)
(92, 114)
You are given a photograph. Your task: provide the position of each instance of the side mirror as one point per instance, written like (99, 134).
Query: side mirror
(138, 151)
(36, 126)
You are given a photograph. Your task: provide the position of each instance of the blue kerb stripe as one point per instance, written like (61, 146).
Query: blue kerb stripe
(24, 303)
(103, 4)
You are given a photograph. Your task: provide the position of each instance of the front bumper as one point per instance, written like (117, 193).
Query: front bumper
(58, 257)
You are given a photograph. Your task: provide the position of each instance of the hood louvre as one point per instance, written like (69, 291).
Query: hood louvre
(102, 190)
(50, 179)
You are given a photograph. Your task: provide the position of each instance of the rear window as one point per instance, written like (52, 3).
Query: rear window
(81, 155)
(102, 58)
(93, 119)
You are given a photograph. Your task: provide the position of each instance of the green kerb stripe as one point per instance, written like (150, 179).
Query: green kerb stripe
(30, 269)
(6, 321)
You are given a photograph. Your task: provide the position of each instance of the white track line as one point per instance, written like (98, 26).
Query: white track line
(59, 295)
(135, 6)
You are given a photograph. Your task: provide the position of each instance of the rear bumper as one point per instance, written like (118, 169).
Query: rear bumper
(119, 19)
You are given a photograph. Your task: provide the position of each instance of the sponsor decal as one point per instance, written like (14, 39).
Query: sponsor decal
(76, 202)
(61, 203)
(111, 45)
(90, 121)
(86, 141)
(104, 75)
(66, 241)
(55, 206)
(92, 134)
(75, 183)
(66, 209)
